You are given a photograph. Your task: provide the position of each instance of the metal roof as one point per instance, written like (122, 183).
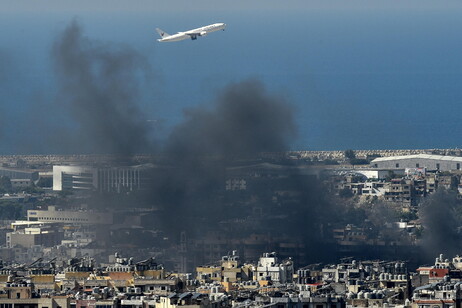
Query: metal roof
(184, 295)
(419, 156)
(197, 295)
(427, 286)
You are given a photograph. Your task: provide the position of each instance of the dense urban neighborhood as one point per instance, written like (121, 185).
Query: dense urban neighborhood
(293, 229)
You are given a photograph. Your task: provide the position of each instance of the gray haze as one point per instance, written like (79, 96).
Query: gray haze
(440, 222)
(99, 86)
(6, 69)
(243, 121)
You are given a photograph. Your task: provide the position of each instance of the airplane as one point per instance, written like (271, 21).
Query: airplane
(193, 34)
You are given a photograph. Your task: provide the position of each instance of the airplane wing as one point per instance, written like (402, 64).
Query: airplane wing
(195, 34)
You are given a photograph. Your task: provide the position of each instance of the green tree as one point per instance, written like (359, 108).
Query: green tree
(345, 193)
(5, 184)
(45, 182)
(350, 154)
(359, 161)
(10, 210)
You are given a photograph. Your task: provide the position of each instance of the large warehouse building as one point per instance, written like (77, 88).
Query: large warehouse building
(430, 162)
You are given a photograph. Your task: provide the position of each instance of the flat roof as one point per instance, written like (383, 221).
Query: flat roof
(419, 156)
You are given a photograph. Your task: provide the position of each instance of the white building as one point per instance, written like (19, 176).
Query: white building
(429, 162)
(52, 215)
(106, 179)
(268, 268)
(74, 177)
(374, 188)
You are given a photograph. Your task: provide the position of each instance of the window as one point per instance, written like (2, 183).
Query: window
(458, 166)
(417, 165)
(397, 165)
(437, 166)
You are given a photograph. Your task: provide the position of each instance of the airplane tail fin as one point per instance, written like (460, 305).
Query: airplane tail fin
(161, 32)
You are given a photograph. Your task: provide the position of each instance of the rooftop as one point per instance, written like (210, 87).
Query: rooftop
(419, 156)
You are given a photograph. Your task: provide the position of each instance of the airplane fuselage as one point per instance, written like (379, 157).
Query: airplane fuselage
(192, 34)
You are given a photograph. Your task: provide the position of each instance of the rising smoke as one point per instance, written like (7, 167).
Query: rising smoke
(99, 84)
(242, 122)
(440, 214)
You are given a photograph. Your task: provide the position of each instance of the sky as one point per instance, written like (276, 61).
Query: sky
(359, 74)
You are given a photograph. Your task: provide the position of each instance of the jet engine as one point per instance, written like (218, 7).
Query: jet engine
(203, 33)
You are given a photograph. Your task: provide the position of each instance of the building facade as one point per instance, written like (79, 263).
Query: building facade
(427, 161)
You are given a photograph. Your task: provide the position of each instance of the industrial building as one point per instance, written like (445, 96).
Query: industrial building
(74, 178)
(103, 179)
(121, 179)
(52, 215)
(429, 162)
(32, 236)
(22, 174)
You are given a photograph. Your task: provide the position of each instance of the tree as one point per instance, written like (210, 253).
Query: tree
(10, 210)
(345, 193)
(359, 161)
(45, 182)
(350, 154)
(21, 163)
(5, 184)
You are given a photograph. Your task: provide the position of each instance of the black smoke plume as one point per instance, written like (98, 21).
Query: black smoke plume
(99, 84)
(244, 121)
(440, 214)
(241, 123)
